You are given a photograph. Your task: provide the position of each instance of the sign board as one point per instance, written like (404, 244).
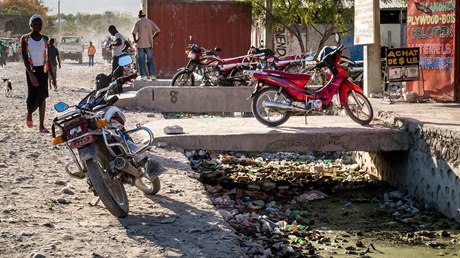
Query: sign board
(403, 64)
(364, 22)
(431, 27)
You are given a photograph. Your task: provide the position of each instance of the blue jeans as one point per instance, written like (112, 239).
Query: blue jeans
(141, 54)
(90, 60)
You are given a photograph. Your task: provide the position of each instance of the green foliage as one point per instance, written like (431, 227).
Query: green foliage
(24, 9)
(333, 15)
(96, 25)
(90, 26)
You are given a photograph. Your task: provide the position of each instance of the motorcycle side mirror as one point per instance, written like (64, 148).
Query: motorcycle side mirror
(190, 38)
(217, 49)
(337, 37)
(61, 106)
(125, 59)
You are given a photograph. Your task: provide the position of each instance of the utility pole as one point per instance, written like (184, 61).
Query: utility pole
(59, 18)
(372, 58)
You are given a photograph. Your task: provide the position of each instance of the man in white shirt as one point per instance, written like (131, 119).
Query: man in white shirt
(118, 46)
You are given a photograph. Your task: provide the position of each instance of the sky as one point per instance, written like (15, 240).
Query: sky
(93, 6)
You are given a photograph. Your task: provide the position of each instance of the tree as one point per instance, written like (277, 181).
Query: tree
(92, 26)
(25, 9)
(327, 17)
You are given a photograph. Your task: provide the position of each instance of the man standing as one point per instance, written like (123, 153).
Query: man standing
(55, 60)
(118, 46)
(144, 32)
(91, 52)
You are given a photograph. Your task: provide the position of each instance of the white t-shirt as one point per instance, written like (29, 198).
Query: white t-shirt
(116, 50)
(37, 51)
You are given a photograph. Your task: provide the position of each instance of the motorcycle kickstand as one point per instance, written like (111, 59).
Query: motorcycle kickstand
(97, 201)
(305, 118)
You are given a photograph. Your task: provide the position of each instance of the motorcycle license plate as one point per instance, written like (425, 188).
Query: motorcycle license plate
(76, 129)
(80, 142)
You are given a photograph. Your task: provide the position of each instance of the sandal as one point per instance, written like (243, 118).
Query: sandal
(44, 130)
(29, 123)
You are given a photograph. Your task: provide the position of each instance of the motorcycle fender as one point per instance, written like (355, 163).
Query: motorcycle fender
(88, 152)
(115, 113)
(345, 88)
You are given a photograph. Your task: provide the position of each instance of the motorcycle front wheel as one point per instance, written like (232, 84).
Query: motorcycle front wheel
(359, 108)
(148, 186)
(183, 78)
(109, 188)
(267, 116)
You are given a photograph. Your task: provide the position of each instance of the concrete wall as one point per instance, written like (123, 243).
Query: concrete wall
(189, 99)
(429, 171)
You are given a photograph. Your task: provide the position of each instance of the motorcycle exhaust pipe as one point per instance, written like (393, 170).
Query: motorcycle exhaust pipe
(281, 106)
(121, 164)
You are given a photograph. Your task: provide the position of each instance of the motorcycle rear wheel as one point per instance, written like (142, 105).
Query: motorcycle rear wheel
(359, 108)
(266, 116)
(239, 78)
(183, 78)
(109, 189)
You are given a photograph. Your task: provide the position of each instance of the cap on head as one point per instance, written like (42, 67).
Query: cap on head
(34, 17)
(141, 13)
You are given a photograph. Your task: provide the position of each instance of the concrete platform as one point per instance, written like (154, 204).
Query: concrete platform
(322, 133)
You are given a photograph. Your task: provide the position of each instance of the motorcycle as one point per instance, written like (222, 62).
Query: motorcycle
(102, 150)
(299, 63)
(290, 63)
(278, 94)
(209, 69)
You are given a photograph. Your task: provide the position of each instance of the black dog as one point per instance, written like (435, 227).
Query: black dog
(8, 88)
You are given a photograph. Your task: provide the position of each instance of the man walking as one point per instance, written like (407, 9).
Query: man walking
(91, 52)
(55, 60)
(144, 32)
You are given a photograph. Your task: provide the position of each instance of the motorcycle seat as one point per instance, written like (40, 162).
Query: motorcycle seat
(289, 76)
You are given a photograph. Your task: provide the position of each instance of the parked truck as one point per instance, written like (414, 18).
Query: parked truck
(71, 47)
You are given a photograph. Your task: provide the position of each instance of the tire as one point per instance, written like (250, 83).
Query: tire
(268, 117)
(110, 190)
(356, 107)
(239, 78)
(147, 186)
(183, 78)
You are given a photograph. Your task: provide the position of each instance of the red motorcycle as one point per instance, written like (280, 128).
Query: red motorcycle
(278, 94)
(205, 68)
(268, 60)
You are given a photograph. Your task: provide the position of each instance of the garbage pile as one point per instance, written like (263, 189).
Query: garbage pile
(289, 204)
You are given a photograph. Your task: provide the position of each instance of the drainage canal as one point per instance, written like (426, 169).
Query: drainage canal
(288, 204)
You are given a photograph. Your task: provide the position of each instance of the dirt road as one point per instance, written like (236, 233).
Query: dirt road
(43, 211)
